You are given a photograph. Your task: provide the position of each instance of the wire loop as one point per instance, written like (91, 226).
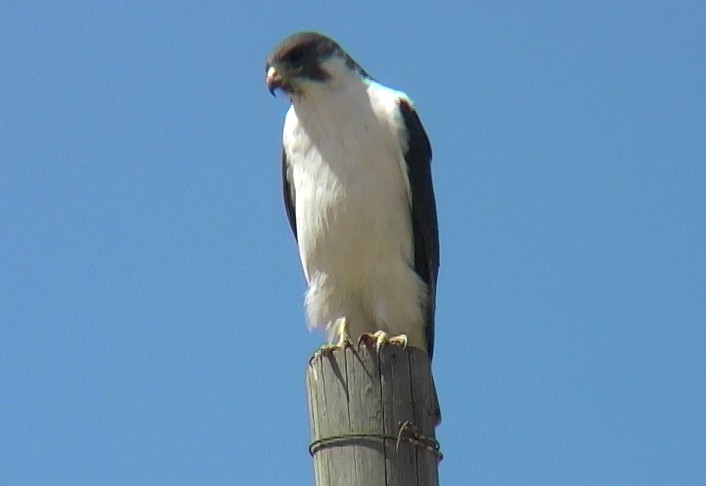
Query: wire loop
(406, 432)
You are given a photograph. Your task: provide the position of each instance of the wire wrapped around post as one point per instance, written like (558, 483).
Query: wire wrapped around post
(372, 418)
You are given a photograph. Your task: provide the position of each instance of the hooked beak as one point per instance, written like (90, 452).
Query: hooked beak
(274, 80)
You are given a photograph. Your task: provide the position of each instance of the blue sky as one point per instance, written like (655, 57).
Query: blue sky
(151, 323)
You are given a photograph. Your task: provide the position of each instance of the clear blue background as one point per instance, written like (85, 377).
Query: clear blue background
(151, 323)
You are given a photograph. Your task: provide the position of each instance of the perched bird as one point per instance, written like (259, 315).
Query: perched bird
(358, 194)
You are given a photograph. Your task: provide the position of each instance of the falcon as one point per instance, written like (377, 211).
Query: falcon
(356, 173)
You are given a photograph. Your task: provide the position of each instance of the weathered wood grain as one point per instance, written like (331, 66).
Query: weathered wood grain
(357, 399)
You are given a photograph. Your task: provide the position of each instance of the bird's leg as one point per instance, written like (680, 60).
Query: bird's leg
(344, 341)
(381, 338)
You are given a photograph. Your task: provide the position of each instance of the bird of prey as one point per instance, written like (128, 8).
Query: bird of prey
(359, 197)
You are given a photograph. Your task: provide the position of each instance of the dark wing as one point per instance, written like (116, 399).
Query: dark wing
(425, 229)
(288, 189)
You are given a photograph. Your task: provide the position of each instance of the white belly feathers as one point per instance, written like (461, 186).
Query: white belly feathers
(353, 216)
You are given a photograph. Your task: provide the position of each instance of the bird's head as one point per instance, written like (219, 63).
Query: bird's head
(305, 61)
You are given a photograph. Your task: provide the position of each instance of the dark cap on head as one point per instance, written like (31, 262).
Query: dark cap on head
(300, 56)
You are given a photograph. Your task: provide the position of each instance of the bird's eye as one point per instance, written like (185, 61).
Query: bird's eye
(295, 58)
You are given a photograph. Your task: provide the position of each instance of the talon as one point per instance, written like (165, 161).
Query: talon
(371, 339)
(366, 339)
(381, 338)
(400, 340)
(344, 341)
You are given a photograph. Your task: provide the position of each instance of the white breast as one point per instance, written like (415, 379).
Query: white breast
(352, 206)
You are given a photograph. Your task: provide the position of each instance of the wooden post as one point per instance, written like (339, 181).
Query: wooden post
(358, 402)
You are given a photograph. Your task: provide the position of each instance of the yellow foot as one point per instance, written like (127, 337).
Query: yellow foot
(344, 341)
(381, 338)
